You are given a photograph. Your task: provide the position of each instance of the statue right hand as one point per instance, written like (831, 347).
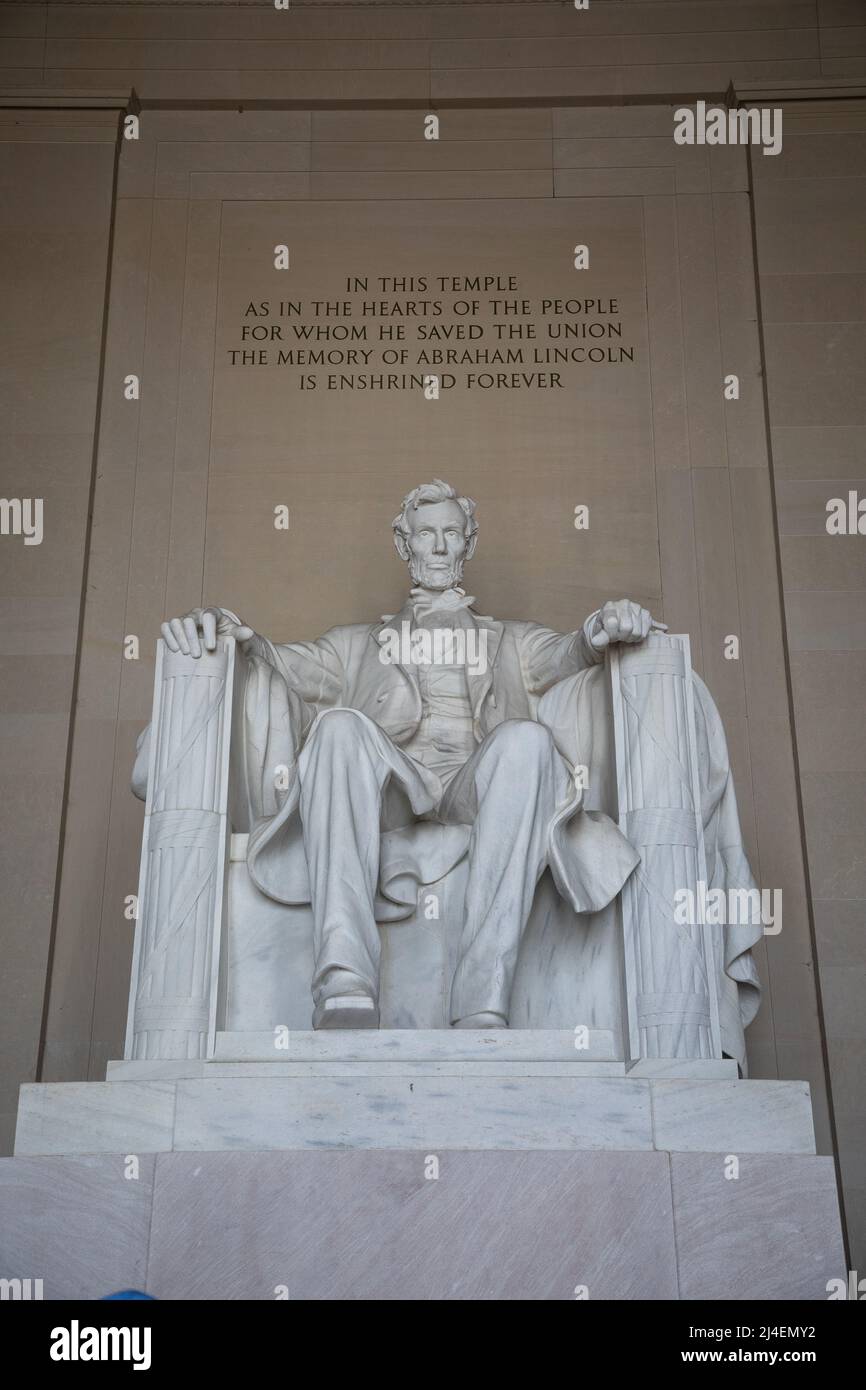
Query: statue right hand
(202, 626)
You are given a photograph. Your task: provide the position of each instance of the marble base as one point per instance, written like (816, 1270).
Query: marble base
(508, 1090)
(394, 1165)
(364, 1224)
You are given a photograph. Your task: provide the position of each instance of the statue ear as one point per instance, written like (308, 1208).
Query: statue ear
(470, 549)
(401, 546)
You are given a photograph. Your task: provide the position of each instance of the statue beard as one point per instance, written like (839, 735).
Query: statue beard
(436, 579)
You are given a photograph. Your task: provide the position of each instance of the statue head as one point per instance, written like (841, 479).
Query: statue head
(435, 533)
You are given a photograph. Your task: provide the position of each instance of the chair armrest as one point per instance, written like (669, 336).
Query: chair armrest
(671, 966)
(175, 967)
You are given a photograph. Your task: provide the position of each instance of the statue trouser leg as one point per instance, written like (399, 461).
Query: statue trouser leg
(341, 779)
(343, 770)
(509, 791)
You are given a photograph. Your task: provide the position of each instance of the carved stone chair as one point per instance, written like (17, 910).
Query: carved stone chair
(218, 966)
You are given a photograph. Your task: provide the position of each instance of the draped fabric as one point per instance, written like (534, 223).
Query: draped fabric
(577, 713)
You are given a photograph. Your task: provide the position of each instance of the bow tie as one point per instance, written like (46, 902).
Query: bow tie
(447, 601)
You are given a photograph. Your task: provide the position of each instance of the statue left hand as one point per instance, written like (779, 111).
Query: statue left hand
(621, 620)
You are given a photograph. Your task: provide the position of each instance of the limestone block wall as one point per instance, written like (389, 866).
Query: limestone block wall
(810, 211)
(56, 190)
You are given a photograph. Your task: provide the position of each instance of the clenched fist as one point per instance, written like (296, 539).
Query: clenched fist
(203, 626)
(621, 620)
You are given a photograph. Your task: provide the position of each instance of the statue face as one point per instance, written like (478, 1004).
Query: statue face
(437, 544)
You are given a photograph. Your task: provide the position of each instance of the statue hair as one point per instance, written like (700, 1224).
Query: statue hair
(437, 491)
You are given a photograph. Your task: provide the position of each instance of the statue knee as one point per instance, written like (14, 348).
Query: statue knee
(340, 728)
(523, 740)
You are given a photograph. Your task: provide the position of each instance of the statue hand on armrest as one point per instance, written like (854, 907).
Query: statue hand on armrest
(620, 620)
(202, 626)
(190, 635)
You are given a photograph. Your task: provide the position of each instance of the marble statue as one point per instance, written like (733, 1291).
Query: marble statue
(438, 733)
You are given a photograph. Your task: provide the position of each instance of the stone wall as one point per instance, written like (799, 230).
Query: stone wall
(810, 210)
(56, 184)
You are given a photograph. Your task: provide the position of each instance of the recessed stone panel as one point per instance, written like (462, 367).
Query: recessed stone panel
(79, 1224)
(412, 1226)
(766, 1229)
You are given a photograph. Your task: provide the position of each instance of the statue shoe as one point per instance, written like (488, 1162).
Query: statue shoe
(481, 1021)
(346, 1011)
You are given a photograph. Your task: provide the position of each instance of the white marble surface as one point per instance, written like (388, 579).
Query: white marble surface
(184, 855)
(659, 802)
(170, 1070)
(67, 1117)
(749, 1116)
(567, 970)
(448, 1044)
(414, 1053)
(425, 1112)
(683, 1068)
(381, 1105)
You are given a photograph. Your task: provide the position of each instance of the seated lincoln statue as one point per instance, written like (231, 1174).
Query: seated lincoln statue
(439, 718)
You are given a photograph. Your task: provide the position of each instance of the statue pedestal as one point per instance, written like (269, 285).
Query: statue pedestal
(414, 1165)
(437, 1089)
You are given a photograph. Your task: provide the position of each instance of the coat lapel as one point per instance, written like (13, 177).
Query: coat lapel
(481, 682)
(394, 623)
